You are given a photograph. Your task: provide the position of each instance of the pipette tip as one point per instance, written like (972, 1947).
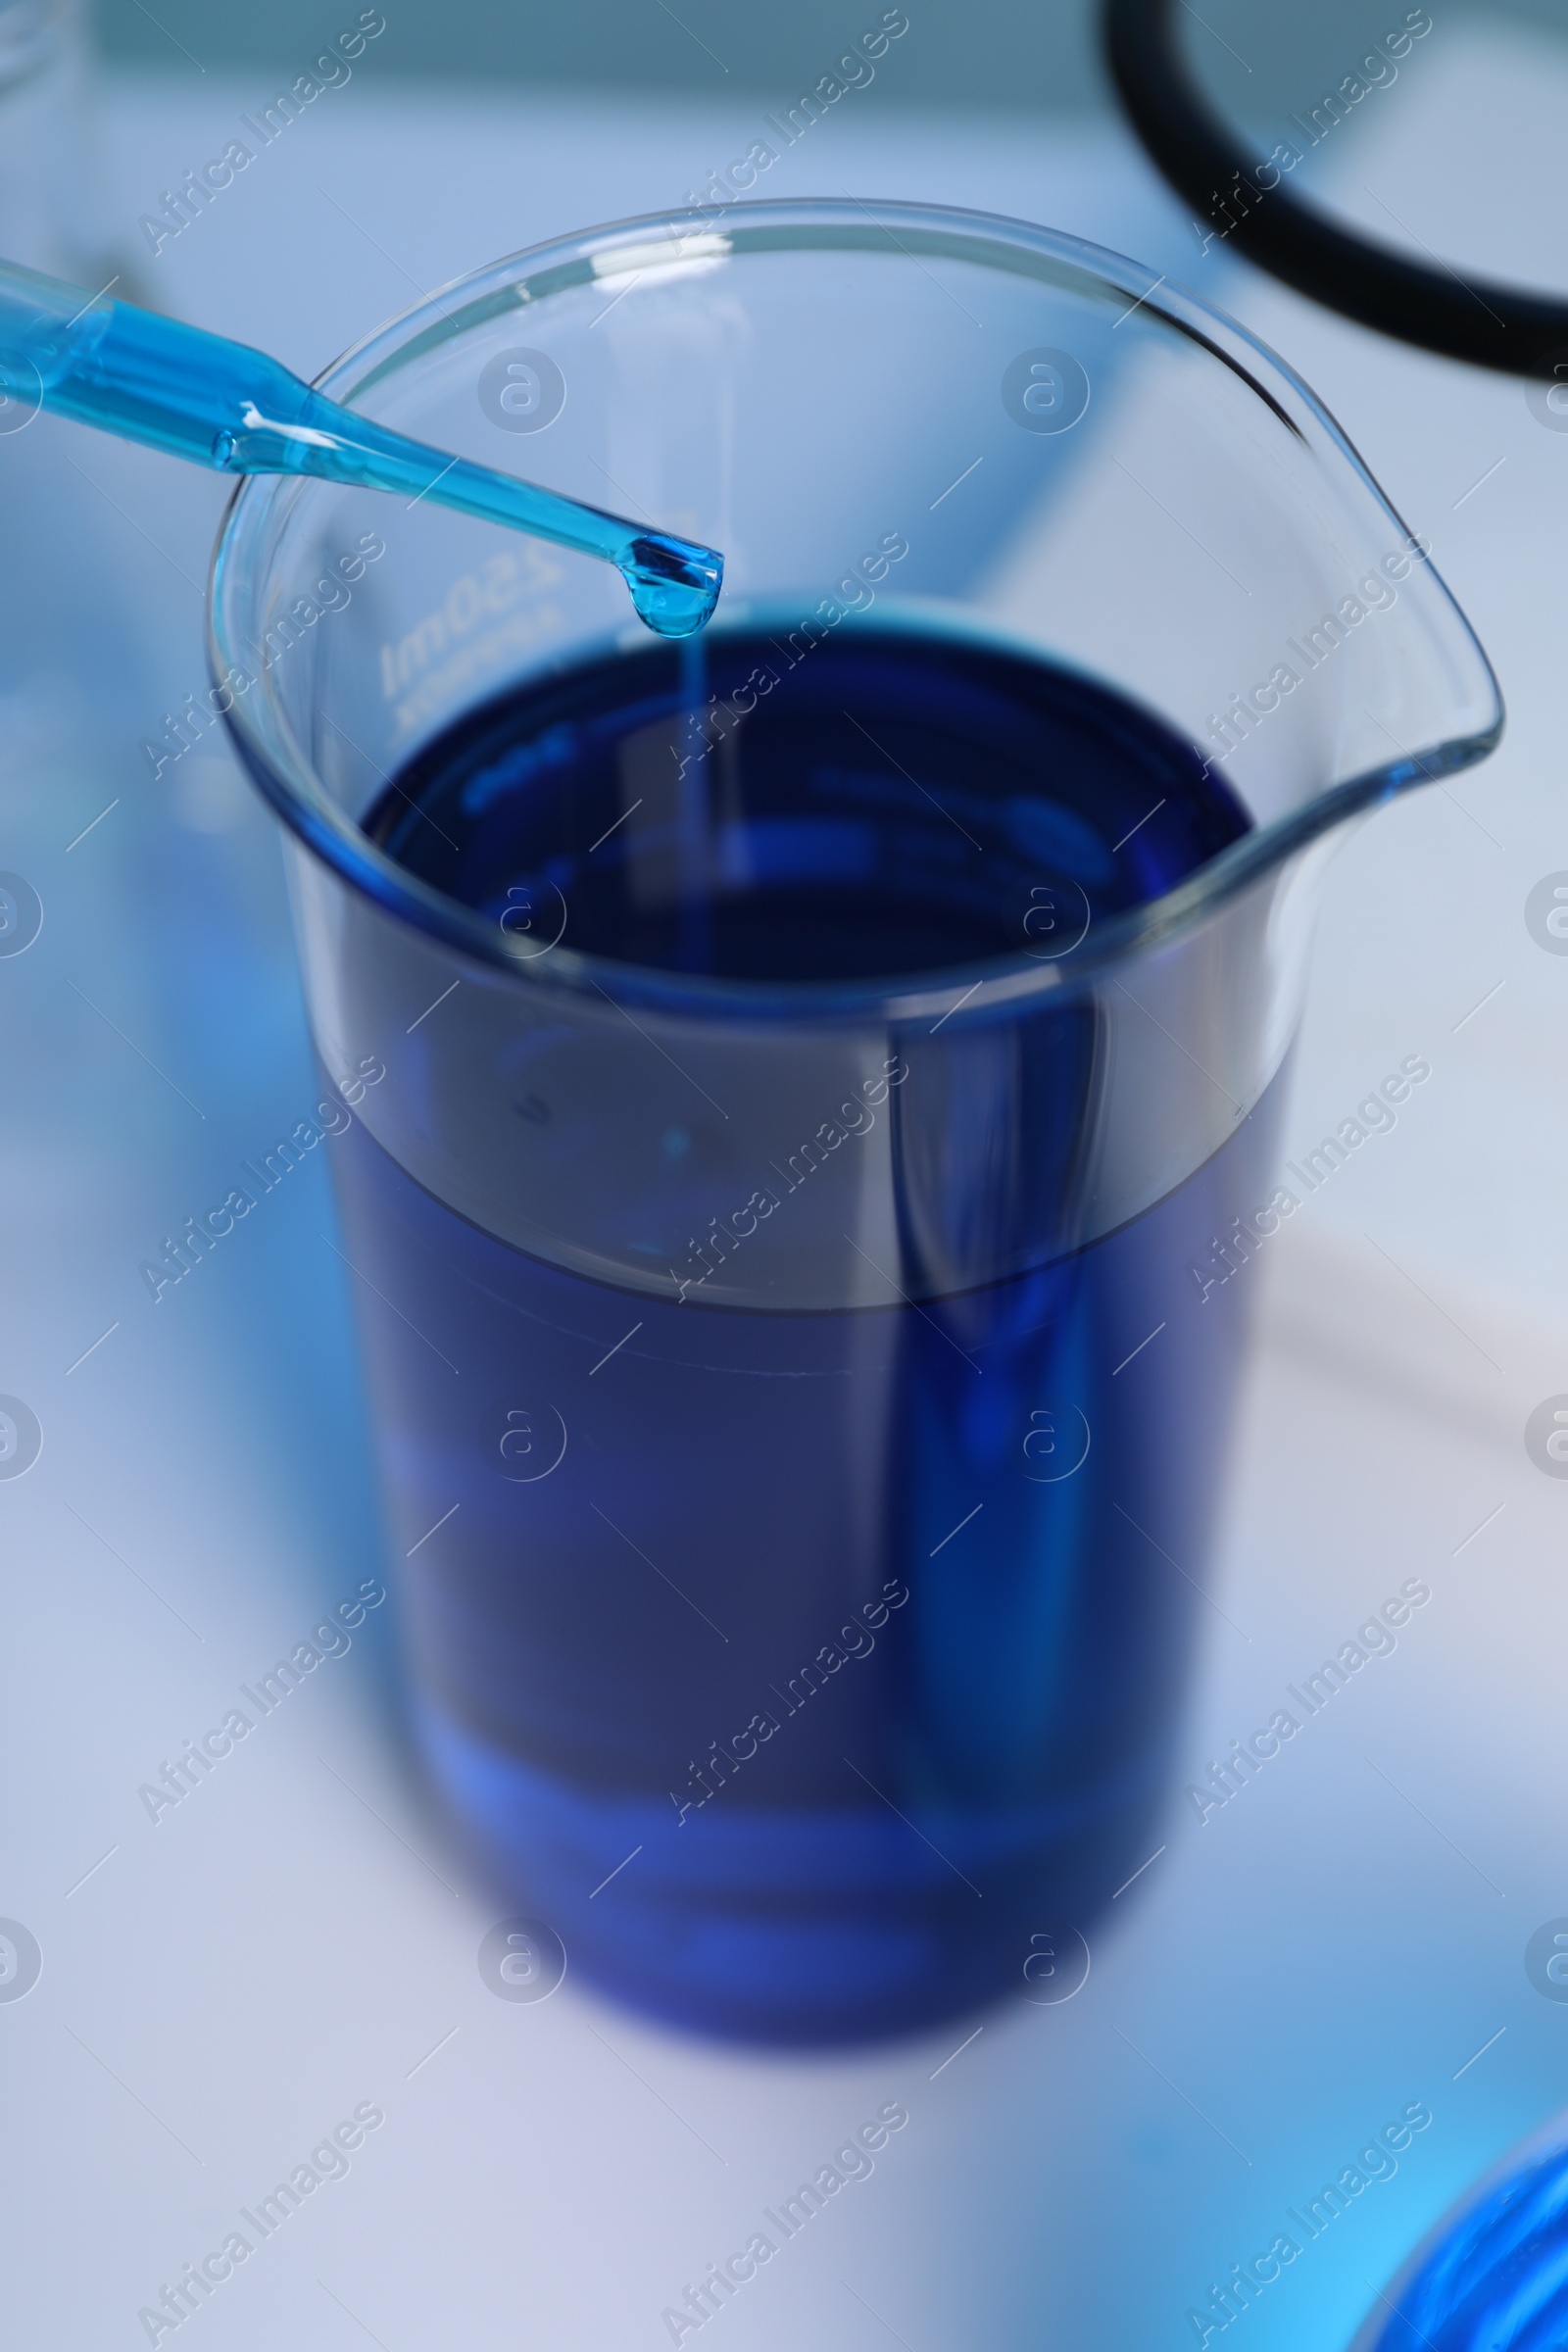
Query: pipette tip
(674, 584)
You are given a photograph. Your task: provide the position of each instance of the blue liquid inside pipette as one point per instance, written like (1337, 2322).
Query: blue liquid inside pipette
(223, 405)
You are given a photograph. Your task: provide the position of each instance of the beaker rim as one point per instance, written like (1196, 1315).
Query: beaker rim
(994, 986)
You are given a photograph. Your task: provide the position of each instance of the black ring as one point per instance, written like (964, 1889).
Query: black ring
(1504, 327)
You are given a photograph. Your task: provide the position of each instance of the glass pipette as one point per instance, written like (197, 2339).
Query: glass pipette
(224, 405)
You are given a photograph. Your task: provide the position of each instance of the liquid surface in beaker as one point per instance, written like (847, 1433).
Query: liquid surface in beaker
(810, 1674)
(888, 803)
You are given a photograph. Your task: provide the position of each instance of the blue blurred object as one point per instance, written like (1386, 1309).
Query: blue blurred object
(1493, 2276)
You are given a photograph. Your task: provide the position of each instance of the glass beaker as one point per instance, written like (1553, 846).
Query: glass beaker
(803, 1402)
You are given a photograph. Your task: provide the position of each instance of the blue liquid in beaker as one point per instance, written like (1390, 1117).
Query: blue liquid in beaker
(879, 808)
(749, 1497)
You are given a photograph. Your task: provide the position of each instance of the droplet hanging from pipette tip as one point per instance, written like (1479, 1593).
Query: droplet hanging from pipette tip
(674, 584)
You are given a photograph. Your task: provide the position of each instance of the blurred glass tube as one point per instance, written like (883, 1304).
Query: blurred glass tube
(52, 214)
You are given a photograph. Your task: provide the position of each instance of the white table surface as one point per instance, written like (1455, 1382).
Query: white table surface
(222, 1989)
